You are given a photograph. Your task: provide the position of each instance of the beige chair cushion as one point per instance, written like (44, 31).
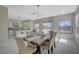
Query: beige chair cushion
(24, 49)
(45, 44)
(31, 44)
(50, 43)
(28, 50)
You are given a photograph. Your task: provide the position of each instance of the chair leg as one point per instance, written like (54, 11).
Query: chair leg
(54, 44)
(38, 49)
(35, 53)
(48, 51)
(51, 49)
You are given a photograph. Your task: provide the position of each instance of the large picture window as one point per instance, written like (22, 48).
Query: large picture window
(65, 26)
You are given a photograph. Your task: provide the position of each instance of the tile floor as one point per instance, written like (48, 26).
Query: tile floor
(64, 46)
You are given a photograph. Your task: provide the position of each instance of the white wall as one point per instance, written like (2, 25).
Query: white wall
(77, 25)
(3, 25)
(6, 45)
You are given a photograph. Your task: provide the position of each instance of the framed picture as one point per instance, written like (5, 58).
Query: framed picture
(66, 26)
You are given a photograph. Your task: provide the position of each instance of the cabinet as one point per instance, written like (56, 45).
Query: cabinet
(27, 24)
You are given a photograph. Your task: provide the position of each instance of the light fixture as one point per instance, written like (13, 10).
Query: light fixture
(36, 12)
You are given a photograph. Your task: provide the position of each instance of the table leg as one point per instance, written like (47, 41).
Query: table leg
(51, 49)
(54, 44)
(38, 49)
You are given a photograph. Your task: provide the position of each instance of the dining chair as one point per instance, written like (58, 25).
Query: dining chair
(55, 33)
(49, 43)
(23, 49)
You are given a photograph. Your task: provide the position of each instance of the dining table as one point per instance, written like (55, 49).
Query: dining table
(38, 39)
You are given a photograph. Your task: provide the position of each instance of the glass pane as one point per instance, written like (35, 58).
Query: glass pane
(65, 23)
(65, 26)
(47, 25)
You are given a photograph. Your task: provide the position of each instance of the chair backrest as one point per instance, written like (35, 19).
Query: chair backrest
(21, 45)
(51, 34)
(51, 41)
(54, 36)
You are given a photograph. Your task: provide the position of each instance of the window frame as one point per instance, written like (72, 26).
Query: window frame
(71, 32)
(47, 22)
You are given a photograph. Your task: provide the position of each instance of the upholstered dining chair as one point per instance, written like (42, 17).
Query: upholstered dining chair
(23, 49)
(49, 43)
(54, 36)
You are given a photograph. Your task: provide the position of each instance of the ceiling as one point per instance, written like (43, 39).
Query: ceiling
(24, 12)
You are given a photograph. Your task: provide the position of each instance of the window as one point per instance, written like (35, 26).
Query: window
(47, 25)
(65, 26)
(37, 27)
(27, 24)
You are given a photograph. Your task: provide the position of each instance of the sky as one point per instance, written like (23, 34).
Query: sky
(65, 23)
